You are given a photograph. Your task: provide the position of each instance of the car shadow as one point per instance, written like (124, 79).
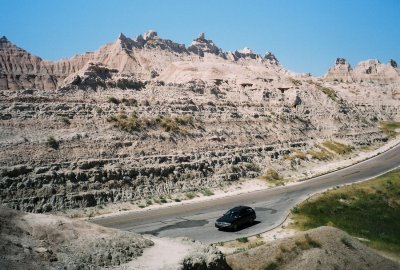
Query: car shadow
(248, 225)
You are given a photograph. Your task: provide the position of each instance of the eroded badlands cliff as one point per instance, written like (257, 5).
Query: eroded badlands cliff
(147, 116)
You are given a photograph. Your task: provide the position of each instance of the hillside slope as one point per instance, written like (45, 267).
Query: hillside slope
(146, 117)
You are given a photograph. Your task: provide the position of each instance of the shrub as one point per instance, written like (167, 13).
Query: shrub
(190, 195)
(53, 143)
(65, 120)
(273, 176)
(271, 266)
(127, 123)
(243, 240)
(295, 210)
(207, 192)
(114, 100)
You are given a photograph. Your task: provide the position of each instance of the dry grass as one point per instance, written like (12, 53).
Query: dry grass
(389, 128)
(272, 176)
(133, 123)
(320, 155)
(338, 148)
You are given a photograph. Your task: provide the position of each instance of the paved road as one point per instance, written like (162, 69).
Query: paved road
(196, 220)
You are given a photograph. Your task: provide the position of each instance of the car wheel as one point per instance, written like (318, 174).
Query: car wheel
(235, 227)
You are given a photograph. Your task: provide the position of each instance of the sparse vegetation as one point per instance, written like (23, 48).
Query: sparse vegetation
(134, 123)
(114, 100)
(307, 243)
(243, 240)
(320, 155)
(295, 82)
(149, 202)
(299, 154)
(163, 199)
(271, 266)
(273, 176)
(207, 192)
(331, 93)
(65, 120)
(337, 147)
(52, 142)
(190, 195)
(369, 210)
(126, 123)
(389, 128)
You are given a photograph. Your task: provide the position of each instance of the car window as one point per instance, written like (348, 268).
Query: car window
(231, 213)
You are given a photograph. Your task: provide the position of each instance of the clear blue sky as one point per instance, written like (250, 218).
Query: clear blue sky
(305, 35)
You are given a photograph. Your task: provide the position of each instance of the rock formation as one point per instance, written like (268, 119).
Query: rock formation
(145, 117)
(341, 71)
(370, 70)
(201, 45)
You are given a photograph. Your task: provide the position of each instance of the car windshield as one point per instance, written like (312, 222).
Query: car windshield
(231, 213)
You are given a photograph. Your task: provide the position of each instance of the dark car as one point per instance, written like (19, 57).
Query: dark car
(236, 217)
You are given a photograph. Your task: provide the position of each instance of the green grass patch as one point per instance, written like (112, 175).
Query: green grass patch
(389, 128)
(369, 210)
(338, 148)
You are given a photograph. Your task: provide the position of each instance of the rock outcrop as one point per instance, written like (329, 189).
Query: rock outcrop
(341, 71)
(33, 241)
(145, 117)
(21, 70)
(375, 71)
(201, 45)
(369, 71)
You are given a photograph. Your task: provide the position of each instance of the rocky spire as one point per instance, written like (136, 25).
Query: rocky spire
(271, 58)
(151, 34)
(201, 45)
(4, 42)
(341, 71)
(341, 61)
(121, 36)
(393, 63)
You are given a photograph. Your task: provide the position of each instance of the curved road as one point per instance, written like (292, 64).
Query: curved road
(196, 220)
